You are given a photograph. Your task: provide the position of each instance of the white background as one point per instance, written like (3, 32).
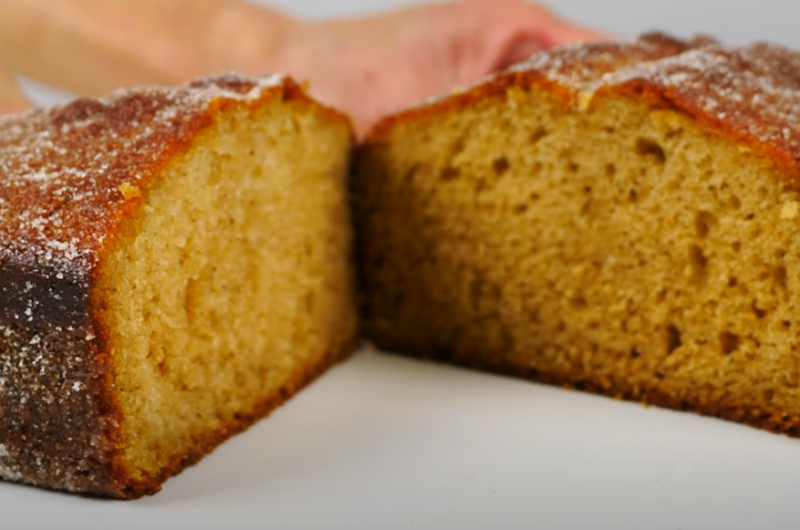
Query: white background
(385, 442)
(736, 21)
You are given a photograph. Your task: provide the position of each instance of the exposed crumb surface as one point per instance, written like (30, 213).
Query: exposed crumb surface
(234, 282)
(605, 241)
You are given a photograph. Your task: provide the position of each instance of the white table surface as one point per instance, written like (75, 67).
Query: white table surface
(384, 442)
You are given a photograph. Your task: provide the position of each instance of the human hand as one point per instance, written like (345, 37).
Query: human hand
(366, 66)
(370, 66)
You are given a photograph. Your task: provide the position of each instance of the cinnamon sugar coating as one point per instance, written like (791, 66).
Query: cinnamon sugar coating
(68, 172)
(751, 94)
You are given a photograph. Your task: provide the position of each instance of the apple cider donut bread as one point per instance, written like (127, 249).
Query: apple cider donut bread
(621, 218)
(174, 264)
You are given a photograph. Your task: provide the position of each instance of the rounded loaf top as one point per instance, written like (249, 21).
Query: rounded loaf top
(69, 173)
(750, 93)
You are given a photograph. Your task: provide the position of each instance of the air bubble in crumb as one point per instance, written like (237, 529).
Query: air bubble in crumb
(789, 210)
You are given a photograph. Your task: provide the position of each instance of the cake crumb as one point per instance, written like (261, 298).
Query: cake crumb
(789, 210)
(584, 100)
(129, 191)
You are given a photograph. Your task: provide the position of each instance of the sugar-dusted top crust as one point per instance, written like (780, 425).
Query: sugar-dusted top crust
(751, 93)
(69, 174)
(580, 67)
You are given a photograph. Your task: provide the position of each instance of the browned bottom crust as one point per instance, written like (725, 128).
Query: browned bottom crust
(242, 422)
(730, 409)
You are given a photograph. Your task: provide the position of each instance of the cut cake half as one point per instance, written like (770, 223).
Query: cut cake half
(174, 264)
(616, 217)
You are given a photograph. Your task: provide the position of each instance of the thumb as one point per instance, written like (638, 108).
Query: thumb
(556, 31)
(11, 98)
(522, 46)
(515, 29)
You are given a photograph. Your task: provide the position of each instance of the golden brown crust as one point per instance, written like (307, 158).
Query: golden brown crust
(52, 421)
(69, 177)
(749, 94)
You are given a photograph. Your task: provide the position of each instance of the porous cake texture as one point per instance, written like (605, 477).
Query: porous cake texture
(174, 264)
(621, 218)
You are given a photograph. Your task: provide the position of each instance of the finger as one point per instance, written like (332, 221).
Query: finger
(550, 28)
(522, 47)
(520, 50)
(11, 98)
(520, 29)
(556, 31)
